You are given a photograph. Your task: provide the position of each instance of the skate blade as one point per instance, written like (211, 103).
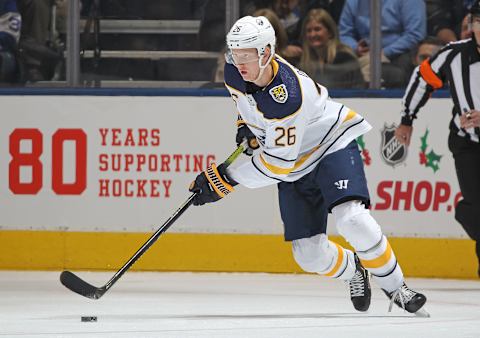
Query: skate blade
(422, 313)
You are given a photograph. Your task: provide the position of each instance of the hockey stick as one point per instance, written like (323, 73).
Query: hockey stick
(78, 285)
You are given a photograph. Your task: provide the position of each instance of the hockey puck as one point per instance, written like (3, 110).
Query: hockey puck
(89, 319)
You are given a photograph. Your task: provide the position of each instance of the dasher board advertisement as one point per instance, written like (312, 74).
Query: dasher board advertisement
(99, 163)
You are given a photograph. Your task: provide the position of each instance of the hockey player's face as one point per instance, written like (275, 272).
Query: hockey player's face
(317, 34)
(246, 61)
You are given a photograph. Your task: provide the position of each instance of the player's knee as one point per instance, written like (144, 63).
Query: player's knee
(356, 225)
(311, 253)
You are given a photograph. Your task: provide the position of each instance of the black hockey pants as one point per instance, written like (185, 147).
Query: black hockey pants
(467, 164)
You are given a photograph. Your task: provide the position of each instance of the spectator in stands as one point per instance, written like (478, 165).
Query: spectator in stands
(429, 46)
(403, 27)
(10, 25)
(211, 36)
(466, 29)
(333, 7)
(325, 58)
(289, 13)
(38, 59)
(290, 52)
(444, 18)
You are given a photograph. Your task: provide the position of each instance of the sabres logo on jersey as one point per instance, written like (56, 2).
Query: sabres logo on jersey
(279, 93)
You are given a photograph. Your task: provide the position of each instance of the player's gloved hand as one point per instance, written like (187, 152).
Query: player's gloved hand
(243, 132)
(212, 185)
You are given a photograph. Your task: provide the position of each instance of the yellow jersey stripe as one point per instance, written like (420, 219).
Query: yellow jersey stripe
(274, 169)
(275, 67)
(379, 261)
(350, 115)
(285, 171)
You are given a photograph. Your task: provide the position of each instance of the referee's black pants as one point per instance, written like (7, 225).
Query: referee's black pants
(467, 164)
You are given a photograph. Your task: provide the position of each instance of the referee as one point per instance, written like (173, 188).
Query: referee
(457, 64)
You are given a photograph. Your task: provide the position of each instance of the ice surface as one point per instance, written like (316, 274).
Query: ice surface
(35, 304)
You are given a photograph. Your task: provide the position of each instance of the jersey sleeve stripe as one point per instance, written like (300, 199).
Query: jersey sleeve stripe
(275, 169)
(299, 163)
(285, 171)
(329, 146)
(350, 115)
(278, 158)
(262, 172)
(429, 75)
(333, 125)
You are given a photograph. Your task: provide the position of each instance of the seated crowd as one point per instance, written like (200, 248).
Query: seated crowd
(334, 36)
(328, 39)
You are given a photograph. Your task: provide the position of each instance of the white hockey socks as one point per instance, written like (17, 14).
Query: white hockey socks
(360, 229)
(318, 254)
(380, 260)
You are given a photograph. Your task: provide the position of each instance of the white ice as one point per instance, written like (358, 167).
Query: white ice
(35, 304)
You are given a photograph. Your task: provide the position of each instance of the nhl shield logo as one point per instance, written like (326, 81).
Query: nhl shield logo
(279, 93)
(392, 151)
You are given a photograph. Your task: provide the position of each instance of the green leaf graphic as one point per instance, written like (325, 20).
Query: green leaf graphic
(433, 160)
(423, 148)
(361, 142)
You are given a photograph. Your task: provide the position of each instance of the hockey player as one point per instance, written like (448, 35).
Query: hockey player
(458, 65)
(308, 148)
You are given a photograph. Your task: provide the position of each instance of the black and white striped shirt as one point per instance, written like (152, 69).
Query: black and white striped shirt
(458, 64)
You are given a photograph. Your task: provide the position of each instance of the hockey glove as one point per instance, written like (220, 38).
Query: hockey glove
(243, 132)
(212, 185)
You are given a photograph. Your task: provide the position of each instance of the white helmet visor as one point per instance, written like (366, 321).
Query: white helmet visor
(240, 57)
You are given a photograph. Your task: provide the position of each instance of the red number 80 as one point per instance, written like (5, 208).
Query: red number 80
(32, 159)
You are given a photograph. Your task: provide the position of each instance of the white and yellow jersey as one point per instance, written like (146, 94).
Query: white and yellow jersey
(294, 121)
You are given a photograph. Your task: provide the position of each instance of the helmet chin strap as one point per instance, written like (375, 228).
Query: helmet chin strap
(262, 67)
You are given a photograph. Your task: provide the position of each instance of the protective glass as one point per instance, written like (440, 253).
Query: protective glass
(240, 58)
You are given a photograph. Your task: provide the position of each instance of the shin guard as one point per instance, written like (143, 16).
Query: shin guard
(360, 229)
(318, 254)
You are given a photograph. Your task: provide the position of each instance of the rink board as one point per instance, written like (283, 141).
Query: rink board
(117, 167)
(53, 250)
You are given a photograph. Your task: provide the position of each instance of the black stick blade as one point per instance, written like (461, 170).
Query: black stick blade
(78, 285)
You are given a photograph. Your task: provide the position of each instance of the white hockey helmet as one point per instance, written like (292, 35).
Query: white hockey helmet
(252, 32)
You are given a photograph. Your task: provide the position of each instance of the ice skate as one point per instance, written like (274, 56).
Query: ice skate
(407, 299)
(359, 286)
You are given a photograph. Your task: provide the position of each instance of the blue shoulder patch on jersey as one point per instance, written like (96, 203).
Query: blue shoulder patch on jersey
(283, 96)
(233, 78)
